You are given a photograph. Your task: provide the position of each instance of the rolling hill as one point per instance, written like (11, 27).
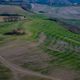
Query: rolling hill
(46, 52)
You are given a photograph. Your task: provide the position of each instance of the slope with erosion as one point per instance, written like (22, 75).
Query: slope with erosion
(47, 48)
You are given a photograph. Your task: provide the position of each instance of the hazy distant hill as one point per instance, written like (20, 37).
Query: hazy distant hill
(68, 12)
(49, 2)
(56, 2)
(17, 2)
(75, 1)
(11, 9)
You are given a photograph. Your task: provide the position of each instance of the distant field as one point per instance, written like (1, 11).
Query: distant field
(11, 9)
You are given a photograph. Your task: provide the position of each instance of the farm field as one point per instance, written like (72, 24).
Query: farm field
(46, 52)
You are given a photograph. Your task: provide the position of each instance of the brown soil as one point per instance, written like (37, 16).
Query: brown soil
(16, 53)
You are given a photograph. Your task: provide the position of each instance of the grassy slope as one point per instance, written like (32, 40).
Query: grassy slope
(36, 24)
(52, 30)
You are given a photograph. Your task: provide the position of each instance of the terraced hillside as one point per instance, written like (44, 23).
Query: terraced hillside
(46, 51)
